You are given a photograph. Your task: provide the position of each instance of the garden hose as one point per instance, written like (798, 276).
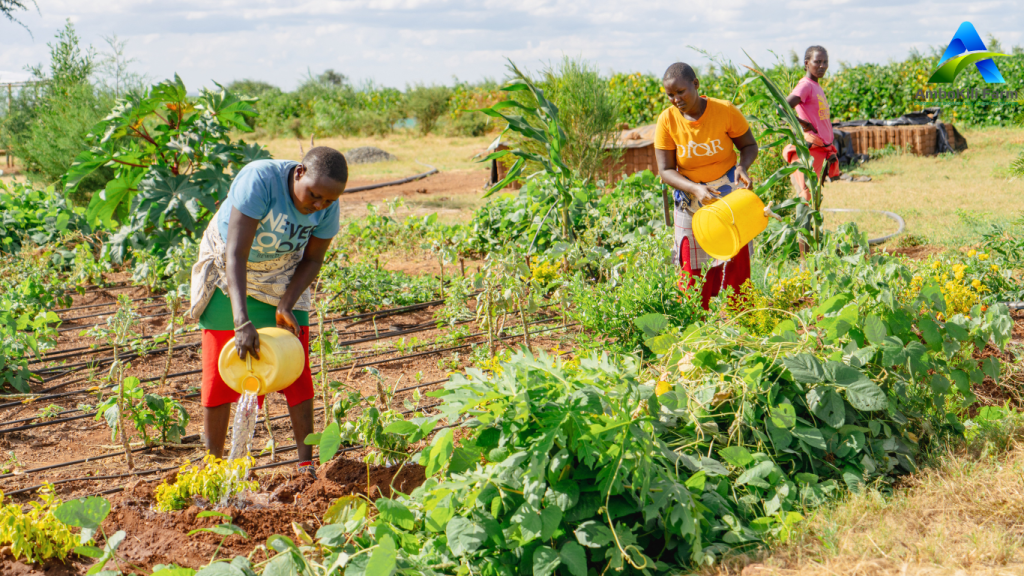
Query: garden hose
(430, 172)
(891, 215)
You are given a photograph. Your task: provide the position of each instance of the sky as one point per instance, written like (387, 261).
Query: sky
(405, 42)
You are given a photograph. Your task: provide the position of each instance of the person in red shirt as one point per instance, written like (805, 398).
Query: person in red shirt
(811, 105)
(695, 145)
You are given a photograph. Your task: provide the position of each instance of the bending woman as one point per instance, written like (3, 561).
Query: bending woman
(257, 259)
(693, 144)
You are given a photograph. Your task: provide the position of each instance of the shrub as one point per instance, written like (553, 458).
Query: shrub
(639, 279)
(428, 104)
(36, 534)
(47, 130)
(182, 163)
(214, 480)
(587, 111)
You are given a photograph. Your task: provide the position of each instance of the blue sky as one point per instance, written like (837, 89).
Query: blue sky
(399, 42)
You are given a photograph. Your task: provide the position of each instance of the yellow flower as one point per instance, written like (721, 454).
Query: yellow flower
(971, 253)
(976, 284)
(935, 265)
(994, 267)
(959, 276)
(982, 256)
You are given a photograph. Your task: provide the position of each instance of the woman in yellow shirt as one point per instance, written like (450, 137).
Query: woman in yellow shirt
(693, 144)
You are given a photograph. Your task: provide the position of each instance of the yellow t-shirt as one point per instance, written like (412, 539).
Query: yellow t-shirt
(704, 149)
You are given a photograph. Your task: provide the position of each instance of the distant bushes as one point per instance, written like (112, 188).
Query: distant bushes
(45, 126)
(854, 92)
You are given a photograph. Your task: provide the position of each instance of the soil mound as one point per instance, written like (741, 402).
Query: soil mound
(286, 499)
(368, 155)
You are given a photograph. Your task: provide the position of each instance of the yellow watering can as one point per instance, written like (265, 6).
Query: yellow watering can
(281, 361)
(723, 228)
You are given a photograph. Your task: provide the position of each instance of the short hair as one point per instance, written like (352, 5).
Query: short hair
(680, 71)
(324, 162)
(810, 52)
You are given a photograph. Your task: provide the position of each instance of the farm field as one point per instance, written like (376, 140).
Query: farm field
(511, 381)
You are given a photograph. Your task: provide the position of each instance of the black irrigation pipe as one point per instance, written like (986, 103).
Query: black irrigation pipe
(98, 363)
(191, 372)
(430, 172)
(84, 306)
(156, 305)
(169, 468)
(74, 352)
(87, 326)
(262, 467)
(273, 418)
(891, 215)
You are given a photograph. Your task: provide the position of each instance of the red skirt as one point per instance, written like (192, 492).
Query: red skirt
(733, 274)
(215, 392)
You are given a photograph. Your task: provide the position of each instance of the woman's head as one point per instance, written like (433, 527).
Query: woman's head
(320, 180)
(816, 61)
(681, 85)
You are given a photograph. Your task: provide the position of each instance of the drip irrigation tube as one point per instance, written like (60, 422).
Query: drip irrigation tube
(169, 468)
(330, 370)
(84, 306)
(430, 172)
(259, 421)
(891, 215)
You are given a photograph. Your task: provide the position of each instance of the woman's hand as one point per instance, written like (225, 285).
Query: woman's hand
(247, 341)
(286, 320)
(742, 177)
(701, 193)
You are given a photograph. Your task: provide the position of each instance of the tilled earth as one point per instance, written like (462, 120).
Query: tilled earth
(76, 452)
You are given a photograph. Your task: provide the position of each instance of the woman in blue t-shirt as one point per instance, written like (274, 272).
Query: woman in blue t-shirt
(257, 259)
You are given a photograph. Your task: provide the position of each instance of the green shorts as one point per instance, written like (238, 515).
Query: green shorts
(218, 315)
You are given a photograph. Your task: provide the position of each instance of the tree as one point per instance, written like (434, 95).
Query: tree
(9, 7)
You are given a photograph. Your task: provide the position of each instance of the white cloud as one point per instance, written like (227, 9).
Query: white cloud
(399, 42)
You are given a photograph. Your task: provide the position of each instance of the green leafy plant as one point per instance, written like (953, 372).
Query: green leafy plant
(25, 329)
(88, 515)
(36, 534)
(118, 332)
(36, 216)
(49, 413)
(539, 123)
(224, 529)
(166, 415)
(214, 480)
(173, 161)
(633, 282)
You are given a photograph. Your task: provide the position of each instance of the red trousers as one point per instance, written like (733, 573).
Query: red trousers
(216, 392)
(732, 274)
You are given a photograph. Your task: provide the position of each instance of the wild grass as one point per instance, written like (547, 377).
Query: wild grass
(962, 514)
(928, 191)
(443, 152)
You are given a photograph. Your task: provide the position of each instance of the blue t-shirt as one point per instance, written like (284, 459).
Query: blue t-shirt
(260, 191)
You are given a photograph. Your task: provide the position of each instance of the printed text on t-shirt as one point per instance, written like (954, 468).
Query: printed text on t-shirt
(278, 236)
(694, 149)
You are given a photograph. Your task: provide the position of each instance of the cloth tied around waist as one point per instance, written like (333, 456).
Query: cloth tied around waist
(265, 281)
(685, 207)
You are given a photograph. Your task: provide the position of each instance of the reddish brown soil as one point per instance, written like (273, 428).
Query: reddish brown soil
(156, 538)
(284, 499)
(455, 183)
(913, 252)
